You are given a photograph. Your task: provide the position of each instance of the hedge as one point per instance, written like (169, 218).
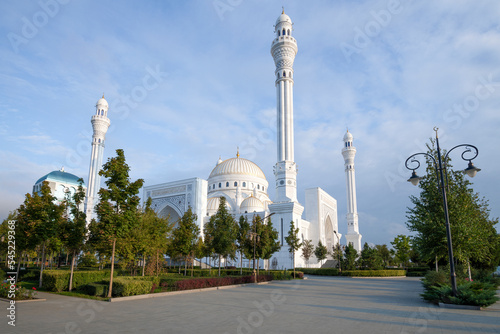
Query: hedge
(200, 283)
(58, 280)
(130, 286)
(95, 289)
(320, 271)
(373, 273)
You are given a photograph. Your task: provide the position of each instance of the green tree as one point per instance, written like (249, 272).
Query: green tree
(384, 253)
(320, 251)
(370, 258)
(338, 255)
(268, 243)
(39, 219)
(402, 245)
(117, 209)
(473, 233)
(307, 250)
(74, 229)
(242, 239)
(350, 256)
(294, 244)
(224, 230)
(185, 236)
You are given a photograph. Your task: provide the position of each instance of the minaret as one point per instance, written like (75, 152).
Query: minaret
(283, 50)
(100, 124)
(348, 152)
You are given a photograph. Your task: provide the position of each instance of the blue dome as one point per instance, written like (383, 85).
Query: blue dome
(60, 176)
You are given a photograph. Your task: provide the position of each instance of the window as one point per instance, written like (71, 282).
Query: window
(220, 185)
(288, 32)
(235, 184)
(284, 74)
(279, 33)
(258, 186)
(262, 188)
(227, 184)
(290, 74)
(283, 32)
(244, 184)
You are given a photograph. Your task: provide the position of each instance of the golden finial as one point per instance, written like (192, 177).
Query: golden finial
(237, 152)
(283, 12)
(103, 95)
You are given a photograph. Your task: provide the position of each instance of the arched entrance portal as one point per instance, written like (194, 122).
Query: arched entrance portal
(170, 212)
(329, 237)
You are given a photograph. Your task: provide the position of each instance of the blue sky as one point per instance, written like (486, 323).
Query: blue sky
(388, 70)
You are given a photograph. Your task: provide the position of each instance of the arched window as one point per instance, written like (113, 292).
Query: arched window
(99, 141)
(213, 186)
(244, 184)
(288, 32)
(258, 186)
(262, 188)
(284, 74)
(227, 184)
(279, 33)
(283, 31)
(235, 184)
(220, 185)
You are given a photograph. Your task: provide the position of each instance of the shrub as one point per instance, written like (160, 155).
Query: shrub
(58, 280)
(200, 283)
(435, 278)
(129, 286)
(95, 289)
(469, 293)
(373, 273)
(320, 271)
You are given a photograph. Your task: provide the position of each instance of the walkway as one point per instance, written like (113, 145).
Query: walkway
(315, 305)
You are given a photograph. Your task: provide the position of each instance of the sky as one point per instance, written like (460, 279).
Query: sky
(189, 81)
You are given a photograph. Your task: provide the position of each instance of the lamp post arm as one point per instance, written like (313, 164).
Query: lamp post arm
(412, 160)
(468, 149)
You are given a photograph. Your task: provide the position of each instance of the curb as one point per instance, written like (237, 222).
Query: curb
(24, 300)
(461, 307)
(172, 293)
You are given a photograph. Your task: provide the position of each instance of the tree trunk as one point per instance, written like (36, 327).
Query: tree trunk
(241, 262)
(71, 274)
(468, 269)
(143, 263)
(112, 269)
(293, 261)
(258, 266)
(185, 265)
(437, 269)
(157, 262)
(42, 265)
(66, 263)
(220, 257)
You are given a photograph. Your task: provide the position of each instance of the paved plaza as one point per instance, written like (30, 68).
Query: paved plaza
(315, 305)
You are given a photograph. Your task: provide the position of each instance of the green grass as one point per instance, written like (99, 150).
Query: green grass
(80, 295)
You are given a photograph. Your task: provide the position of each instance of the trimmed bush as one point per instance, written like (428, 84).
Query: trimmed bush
(373, 273)
(95, 289)
(58, 280)
(469, 293)
(129, 286)
(320, 271)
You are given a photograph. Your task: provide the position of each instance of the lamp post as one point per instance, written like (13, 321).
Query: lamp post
(338, 250)
(440, 167)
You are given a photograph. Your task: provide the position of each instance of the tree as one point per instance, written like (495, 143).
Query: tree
(350, 255)
(293, 241)
(224, 230)
(242, 239)
(370, 258)
(38, 219)
(338, 255)
(320, 251)
(185, 235)
(268, 243)
(402, 246)
(307, 250)
(384, 253)
(117, 209)
(74, 229)
(473, 233)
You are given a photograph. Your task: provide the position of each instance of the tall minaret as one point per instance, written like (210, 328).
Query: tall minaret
(100, 124)
(348, 152)
(283, 50)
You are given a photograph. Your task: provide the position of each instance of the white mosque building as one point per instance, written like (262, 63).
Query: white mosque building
(245, 186)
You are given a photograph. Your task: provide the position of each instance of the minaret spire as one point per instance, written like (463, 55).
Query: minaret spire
(349, 152)
(283, 49)
(100, 124)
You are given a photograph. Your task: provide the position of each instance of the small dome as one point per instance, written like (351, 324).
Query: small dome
(60, 176)
(102, 102)
(251, 204)
(283, 18)
(348, 136)
(213, 204)
(238, 166)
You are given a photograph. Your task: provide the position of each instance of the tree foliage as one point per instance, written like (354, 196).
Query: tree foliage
(402, 245)
(293, 241)
(320, 251)
(473, 233)
(307, 250)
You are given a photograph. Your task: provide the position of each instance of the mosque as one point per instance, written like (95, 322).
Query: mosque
(242, 182)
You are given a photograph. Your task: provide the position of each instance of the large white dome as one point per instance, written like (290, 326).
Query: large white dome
(237, 166)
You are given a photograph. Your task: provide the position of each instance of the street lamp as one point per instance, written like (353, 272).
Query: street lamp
(440, 166)
(338, 250)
